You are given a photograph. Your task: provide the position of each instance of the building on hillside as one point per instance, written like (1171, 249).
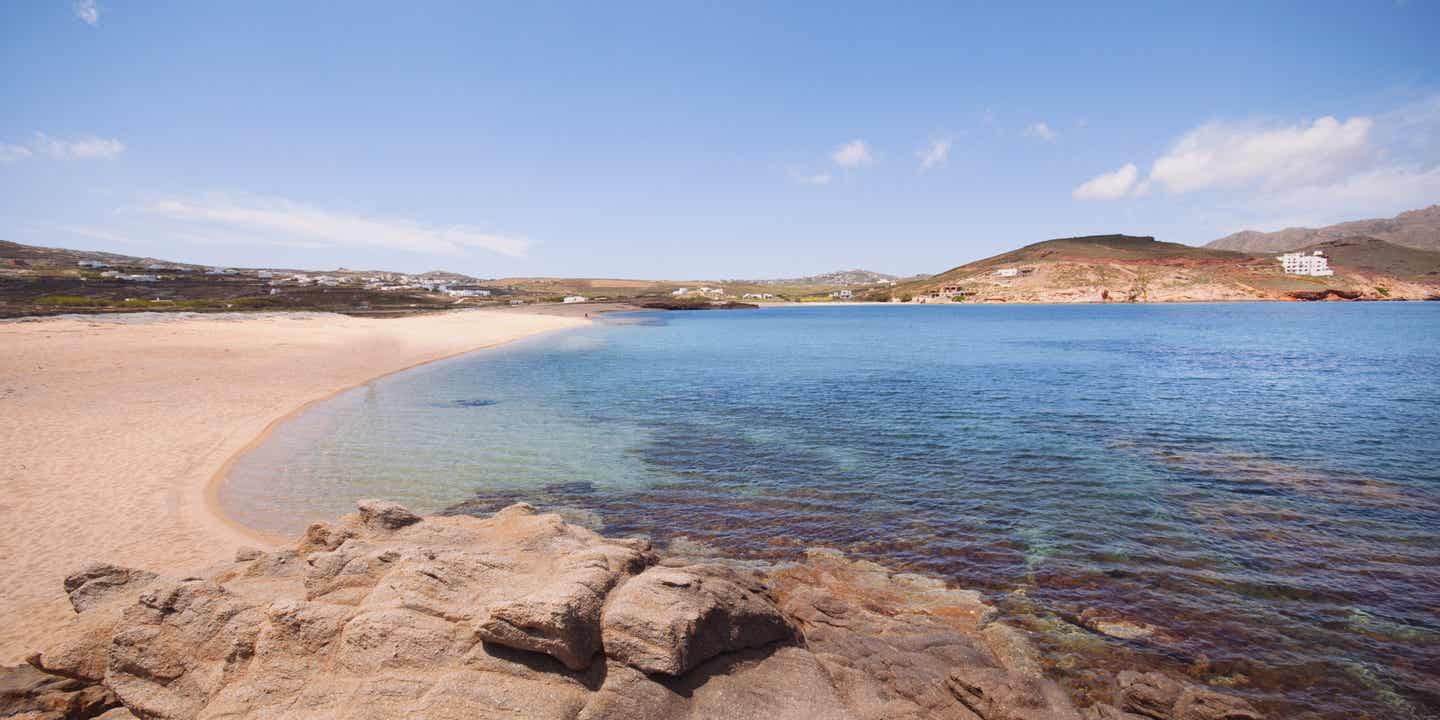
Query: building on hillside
(1007, 272)
(466, 292)
(842, 295)
(92, 264)
(1314, 264)
(680, 291)
(575, 298)
(758, 296)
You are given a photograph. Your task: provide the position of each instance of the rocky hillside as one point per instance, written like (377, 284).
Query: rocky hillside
(522, 615)
(1126, 268)
(1419, 229)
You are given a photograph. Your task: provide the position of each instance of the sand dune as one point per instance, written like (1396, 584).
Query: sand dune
(111, 429)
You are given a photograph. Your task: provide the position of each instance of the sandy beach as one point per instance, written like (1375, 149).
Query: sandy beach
(112, 429)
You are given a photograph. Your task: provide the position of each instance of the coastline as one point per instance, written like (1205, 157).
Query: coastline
(115, 450)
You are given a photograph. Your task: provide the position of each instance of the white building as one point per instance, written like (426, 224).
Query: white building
(92, 264)
(1314, 264)
(758, 296)
(1007, 272)
(466, 292)
(575, 299)
(842, 294)
(680, 291)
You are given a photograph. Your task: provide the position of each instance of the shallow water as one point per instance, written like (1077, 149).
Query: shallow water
(1256, 485)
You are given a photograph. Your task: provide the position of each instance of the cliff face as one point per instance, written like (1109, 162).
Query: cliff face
(522, 615)
(1419, 229)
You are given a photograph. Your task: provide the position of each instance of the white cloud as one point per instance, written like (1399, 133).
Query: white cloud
(13, 153)
(819, 178)
(84, 147)
(88, 12)
(1220, 154)
(1108, 186)
(852, 154)
(1040, 130)
(278, 221)
(935, 154)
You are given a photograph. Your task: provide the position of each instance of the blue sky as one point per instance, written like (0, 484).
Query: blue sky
(690, 140)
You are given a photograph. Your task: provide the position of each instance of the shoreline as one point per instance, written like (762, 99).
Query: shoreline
(116, 436)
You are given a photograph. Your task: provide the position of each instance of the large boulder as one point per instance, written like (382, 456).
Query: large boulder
(669, 619)
(562, 617)
(26, 692)
(99, 594)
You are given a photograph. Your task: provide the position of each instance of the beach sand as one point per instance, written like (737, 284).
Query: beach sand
(112, 429)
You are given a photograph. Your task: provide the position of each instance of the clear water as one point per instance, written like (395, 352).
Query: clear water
(1256, 482)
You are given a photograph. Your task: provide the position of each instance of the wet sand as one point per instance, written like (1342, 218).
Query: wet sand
(113, 429)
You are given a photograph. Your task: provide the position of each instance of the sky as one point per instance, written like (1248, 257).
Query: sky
(688, 140)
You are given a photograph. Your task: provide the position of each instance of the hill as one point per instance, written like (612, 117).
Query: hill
(838, 278)
(1419, 229)
(1127, 268)
(1377, 257)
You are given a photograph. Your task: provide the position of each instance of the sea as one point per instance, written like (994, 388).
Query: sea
(1249, 492)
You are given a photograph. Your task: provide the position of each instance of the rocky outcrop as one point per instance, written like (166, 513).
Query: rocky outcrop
(669, 619)
(523, 615)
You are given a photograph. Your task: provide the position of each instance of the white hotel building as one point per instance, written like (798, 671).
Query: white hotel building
(1315, 264)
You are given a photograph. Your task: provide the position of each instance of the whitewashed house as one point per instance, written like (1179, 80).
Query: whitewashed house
(1314, 264)
(92, 264)
(842, 294)
(1007, 272)
(575, 299)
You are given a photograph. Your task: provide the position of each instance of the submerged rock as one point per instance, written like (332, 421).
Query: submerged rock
(522, 614)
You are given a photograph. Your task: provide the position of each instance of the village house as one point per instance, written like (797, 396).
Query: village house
(842, 294)
(1007, 272)
(575, 299)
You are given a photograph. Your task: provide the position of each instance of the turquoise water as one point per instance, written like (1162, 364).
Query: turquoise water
(1255, 483)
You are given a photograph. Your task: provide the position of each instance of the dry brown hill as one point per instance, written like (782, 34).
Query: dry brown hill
(1419, 229)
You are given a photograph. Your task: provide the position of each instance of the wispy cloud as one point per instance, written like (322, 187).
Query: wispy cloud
(95, 233)
(852, 154)
(819, 178)
(82, 147)
(1108, 186)
(13, 153)
(88, 12)
(279, 221)
(935, 154)
(1039, 130)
